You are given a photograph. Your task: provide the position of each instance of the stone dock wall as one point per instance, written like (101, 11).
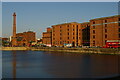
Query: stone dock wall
(73, 50)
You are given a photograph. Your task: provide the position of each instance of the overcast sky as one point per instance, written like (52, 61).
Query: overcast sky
(37, 16)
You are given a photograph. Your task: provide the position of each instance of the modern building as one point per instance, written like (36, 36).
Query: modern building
(47, 37)
(67, 33)
(103, 29)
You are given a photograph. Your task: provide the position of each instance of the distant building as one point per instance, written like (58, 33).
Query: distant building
(21, 39)
(6, 42)
(39, 41)
(25, 38)
(67, 33)
(103, 29)
(47, 37)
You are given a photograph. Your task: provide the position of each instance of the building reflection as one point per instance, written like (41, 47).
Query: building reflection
(14, 65)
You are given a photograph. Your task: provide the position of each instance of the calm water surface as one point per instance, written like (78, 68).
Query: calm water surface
(42, 64)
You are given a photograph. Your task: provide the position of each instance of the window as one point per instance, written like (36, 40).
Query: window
(73, 29)
(60, 27)
(119, 19)
(118, 24)
(60, 30)
(68, 33)
(73, 38)
(68, 37)
(93, 36)
(60, 42)
(60, 38)
(119, 29)
(76, 25)
(93, 22)
(60, 34)
(68, 29)
(68, 26)
(93, 31)
(105, 30)
(105, 36)
(105, 21)
(93, 43)
(105, 25)
(105, 41)
(68, 42)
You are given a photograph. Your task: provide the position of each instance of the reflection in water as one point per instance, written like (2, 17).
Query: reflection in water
(41, 64)
(14, 64)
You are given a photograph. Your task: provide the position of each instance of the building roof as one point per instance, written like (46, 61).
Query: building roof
(106, 17)
(67, 23)
(85, 23)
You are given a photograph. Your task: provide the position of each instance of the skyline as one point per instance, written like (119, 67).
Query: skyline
(38, 16)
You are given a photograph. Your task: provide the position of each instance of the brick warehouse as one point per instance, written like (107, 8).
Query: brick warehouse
(85, 33)
(93, 33)
(47, 37)
(25, 38)
(67, 33)
(103, 29)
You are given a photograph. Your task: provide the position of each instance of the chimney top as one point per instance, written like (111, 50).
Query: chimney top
(14, 14)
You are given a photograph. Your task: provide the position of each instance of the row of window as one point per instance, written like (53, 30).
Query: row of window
(95, 36)
(68, 30)
(67, 34)
(62, 42)
(67, 38)
(94, 42)
(69, 26)
(105, 21)
(105, 31)
(104, 24)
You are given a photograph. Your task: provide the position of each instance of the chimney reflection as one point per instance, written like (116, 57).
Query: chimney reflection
(14, 65)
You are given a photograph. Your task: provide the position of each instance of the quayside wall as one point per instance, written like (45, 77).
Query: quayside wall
(61, 49)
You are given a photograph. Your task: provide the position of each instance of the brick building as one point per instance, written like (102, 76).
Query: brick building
(25, 38)
(67, 33)
(85, 33)
(21, 39)
(103, 29)
(47, 37)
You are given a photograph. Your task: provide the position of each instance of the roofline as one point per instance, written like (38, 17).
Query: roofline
(85, 23)
(66, 23)
(105, 17)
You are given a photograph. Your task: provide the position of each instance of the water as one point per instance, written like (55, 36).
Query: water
(41, 64)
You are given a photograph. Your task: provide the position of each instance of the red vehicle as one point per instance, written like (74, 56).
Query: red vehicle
(113, 44)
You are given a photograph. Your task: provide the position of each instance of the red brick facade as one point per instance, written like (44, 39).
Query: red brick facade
(67, 33)
(25, 38)
(47, 37)
(21, 39)
(103, 29)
